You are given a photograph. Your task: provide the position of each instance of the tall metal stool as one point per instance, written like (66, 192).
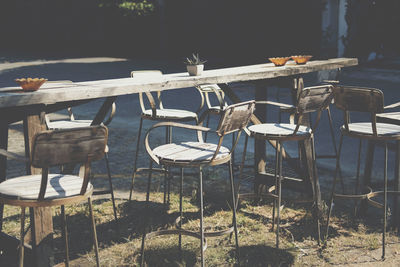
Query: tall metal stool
(157, 112)
(311, 99)
(54, 148)
(366, 100)
(73, 123)
(199, 154)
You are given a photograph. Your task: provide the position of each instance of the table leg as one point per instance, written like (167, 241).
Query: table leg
(41, 218)
(3, 161)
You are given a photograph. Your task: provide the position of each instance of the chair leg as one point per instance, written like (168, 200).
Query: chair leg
(136, 157)
(316, 203)
(146, 207)
(96, 246)
(234, 209)
(357, 176)
(207, 122)
(111, 187)
(333, 189)
(65, 234)
(21, 242)
(384, 203)
(180, 209)
(276, 185)
(241, 171)
(201, 216)
(279, 195)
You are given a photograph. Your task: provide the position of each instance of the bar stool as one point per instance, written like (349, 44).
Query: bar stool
(157, 112)
(311, 99)
(366, 100)
(73, 123)
(55, 148)
(198, 155)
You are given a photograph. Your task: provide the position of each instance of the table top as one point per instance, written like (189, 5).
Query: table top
(51, 93)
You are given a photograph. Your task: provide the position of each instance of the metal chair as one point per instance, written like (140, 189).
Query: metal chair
(199, 154)
(54, 148)
(366, 100)
(311, 99)
(157, 112)
(73, 123)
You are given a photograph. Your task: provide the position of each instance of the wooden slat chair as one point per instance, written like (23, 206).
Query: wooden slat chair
(74, 123)
(157, 112)
(311, 99)
(199, 154)
(55, 148)
(370, 101)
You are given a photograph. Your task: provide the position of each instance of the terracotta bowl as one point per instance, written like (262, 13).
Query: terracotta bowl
(279, 61)
(30, 84)
(301, 59)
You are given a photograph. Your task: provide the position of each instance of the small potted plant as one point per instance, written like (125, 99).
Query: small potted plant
(195, 65)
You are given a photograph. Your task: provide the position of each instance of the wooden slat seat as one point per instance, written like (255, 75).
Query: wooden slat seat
(170, 114)
(279, 130)
(364, 129)
(389, 117)
(59, 186)
(55, 125)
(190, 152)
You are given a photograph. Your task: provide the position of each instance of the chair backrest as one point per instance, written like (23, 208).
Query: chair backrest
(150, 98)
(314, 98)
(214, 89)
(359, 99)
(235, 117)
(59, 147)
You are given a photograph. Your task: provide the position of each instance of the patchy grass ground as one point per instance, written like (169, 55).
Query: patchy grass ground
(351, 243)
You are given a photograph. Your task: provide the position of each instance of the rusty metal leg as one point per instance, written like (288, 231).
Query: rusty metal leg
(241, 171)
(384, 203)
(111, 188)
(276, 185)
(95, 244)
(201, 216)
(3, 161)
(330, 207)
(64, 234)
(357, 176)
(279, 195)
(367, 174)
(316, 204)
(21, 242)
(136, 157)
(234, 209)
(180, 209)
(396, 187)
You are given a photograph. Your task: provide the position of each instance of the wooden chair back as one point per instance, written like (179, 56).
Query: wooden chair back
(315, 98)
(72, 146)
(235, 117)
(359, 99)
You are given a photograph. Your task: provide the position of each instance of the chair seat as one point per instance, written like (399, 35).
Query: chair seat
(279, 131)
(171, 114)
(389, 117)
(56, 125)
(364, 129)
(191, 153)
(28, 187)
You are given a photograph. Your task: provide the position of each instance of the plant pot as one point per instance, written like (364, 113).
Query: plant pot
(195, 70)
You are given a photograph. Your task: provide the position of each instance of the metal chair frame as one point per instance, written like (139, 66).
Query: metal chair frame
(156, 107)
(311, 99)
(55, 148)
(369, 101)
(233, 119)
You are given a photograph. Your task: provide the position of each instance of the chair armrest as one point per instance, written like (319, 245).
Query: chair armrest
(112, 113)
(395, 105)
(12, 155)
(197, 128)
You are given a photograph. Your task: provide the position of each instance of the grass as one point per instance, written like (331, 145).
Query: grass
(351, 241)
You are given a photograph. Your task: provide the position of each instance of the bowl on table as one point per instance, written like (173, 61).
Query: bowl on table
(279, 61)
(301, 59)
(30, 84)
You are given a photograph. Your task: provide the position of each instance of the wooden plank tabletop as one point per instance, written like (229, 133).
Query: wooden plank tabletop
(51, 93)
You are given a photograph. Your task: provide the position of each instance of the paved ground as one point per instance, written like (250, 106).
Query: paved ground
(124, 127)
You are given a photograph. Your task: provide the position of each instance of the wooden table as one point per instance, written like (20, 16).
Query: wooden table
(30, 107)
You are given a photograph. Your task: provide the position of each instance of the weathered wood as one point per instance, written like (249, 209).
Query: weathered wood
(11, 97)
(41, 218)
(104, 109)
